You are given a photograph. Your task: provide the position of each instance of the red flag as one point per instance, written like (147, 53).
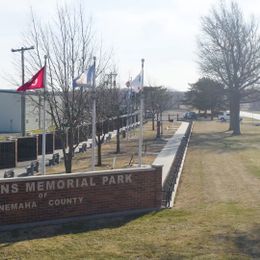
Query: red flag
(36, 82)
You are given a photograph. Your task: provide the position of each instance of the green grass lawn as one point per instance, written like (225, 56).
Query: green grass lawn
(216, 215)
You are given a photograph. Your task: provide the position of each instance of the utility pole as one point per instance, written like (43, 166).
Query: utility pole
(22, 50)
(111, 79)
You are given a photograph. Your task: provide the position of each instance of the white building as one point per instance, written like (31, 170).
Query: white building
(10, 112)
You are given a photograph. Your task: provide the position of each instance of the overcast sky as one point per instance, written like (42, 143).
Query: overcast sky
(162, 32)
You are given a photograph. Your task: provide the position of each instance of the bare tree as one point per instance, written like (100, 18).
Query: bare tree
(229, 51)
(103, 113)
(118, 105)
(69, 44)
(157, 100)
(151, 102)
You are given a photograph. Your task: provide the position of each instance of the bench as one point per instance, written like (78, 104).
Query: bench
(29, 170)
(83, 148)
(108, 138)
(35, 166)
(9, 174)
(51, 162)
(54, 160)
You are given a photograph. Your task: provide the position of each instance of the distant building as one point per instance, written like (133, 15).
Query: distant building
(10, 112)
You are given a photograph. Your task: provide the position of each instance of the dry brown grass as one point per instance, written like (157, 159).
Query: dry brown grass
(129, 149)
(220, 161)
(216, 216)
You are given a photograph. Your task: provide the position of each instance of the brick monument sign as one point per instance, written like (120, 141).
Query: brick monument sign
(52, 197)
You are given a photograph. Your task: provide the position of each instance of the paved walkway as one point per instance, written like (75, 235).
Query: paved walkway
(167, 155)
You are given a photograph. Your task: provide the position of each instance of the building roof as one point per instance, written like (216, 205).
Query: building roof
(12, 91)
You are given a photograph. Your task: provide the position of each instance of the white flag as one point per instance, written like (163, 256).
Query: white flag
(136, 84)
(80, 80)
(85, 79)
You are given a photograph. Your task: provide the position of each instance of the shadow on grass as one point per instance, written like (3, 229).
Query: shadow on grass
(156, 140)
(26, 233)
(246, 243)
(224, 141)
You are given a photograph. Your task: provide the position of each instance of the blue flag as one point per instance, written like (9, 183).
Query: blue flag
(90, 75)
(85, 79)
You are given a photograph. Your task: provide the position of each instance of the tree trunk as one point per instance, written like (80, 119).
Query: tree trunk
(153, 122)
(68, 156)
(117, 141)
(205, 113)
(231, 111)
(118, 137)
(68, 162)
(158, 135)
(161, 121)
(99, 143)
(211, 114)
(235, 112)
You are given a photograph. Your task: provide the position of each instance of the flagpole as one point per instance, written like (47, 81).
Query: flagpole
(141, 118)
(128, 110)
(94, 116)
(131, 109)
(127, 115)
(44, 118)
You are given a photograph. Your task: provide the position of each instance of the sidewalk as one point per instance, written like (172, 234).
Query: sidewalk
(167, 155)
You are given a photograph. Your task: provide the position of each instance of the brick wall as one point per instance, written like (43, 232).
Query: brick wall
(79, 194)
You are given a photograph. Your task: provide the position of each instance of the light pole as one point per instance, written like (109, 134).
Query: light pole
(22, 50)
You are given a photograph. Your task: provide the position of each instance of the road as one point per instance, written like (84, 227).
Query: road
(250, 115)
